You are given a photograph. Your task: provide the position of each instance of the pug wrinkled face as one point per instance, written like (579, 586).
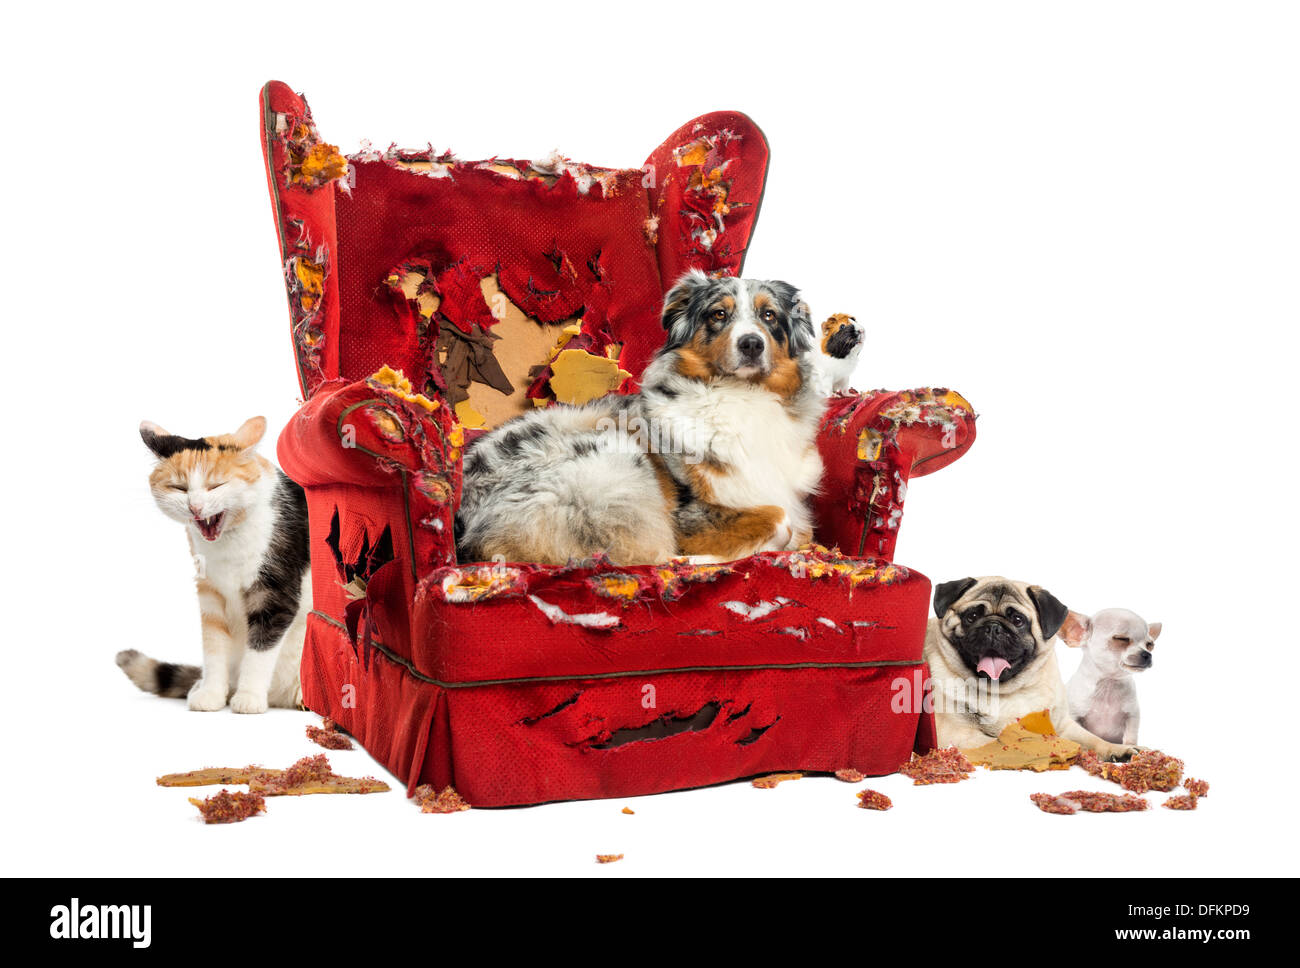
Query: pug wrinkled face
(996, 626)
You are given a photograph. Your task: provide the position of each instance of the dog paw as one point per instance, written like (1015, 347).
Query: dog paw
(205, 699)
(248, 702)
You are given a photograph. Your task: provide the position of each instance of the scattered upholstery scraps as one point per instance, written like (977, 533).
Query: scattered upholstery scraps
(1030, 743)
(1147, 770)
(946, 765)
(1086, 801)
(227, 807)
(1181, 802)
(429, 800)
(328, 735)
(214, 776)
(772, 780)
(608, 858)
(311, 774)
(849, 775)
(871, 800)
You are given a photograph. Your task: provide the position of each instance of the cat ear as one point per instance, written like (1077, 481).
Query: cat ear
(250, 432)
(152, 434)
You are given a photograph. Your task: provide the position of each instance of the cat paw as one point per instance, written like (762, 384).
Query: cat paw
(205, 699)
(248, 702)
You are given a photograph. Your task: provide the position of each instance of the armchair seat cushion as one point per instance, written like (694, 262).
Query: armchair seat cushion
(781, 610)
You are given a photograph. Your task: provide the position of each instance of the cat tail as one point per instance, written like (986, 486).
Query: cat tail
(164, 678)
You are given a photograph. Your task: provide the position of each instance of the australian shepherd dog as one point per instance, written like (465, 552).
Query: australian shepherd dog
(715, 457)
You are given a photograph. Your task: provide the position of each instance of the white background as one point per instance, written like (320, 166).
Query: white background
(1082, 216)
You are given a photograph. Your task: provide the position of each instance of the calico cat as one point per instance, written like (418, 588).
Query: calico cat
(247, 527)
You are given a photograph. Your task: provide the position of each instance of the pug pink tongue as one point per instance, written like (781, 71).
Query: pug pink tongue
(993, 666)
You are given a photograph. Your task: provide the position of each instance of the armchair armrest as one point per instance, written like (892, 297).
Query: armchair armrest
(873, 444)
(381, 465)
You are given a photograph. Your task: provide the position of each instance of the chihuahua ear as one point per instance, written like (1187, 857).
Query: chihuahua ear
(947, 592)
(1051, 613)
(1154, 630)
(250, 432)
(1075, 629)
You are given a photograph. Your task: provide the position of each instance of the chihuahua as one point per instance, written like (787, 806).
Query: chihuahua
(1103, 697)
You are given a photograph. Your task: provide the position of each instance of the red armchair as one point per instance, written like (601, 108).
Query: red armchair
(427, 294)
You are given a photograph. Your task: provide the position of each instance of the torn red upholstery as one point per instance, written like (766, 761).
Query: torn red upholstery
(518, 683)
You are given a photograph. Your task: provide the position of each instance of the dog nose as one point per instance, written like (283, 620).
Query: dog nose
(1144, 658)
(750, 346)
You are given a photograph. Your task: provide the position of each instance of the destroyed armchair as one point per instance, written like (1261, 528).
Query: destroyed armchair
(430, 296)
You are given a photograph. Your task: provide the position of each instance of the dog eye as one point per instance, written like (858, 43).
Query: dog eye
(177, 487)
(718, 315)
(1121, 639)
(212, 486)
(769, 315)
(972, 614)
(1016, 618)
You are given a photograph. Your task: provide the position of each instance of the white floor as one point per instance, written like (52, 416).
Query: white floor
(86, 804)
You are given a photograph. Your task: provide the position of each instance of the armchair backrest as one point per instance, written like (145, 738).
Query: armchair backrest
(475, 278)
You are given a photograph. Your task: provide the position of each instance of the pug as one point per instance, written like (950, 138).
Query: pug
(992, 658)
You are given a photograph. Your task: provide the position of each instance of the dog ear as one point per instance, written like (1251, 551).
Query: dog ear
(675, 317)
(1051, 613)
(802, 333)
(1154, 630)
(1075, 629)
(947, 592)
